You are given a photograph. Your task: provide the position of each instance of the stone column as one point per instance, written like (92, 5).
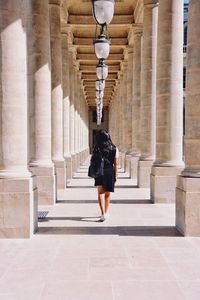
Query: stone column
(116, 119)
(128, 87)
(81, 125)
(78, 119)
(121, 112)
(148, 94)
(57, 95)
(18, 191)
(136, 101)
(66, 99)
(124, 106)
(188, 184)
(121, 118)
(41, 163)
(129, 96)
(76, 100)
(122, 115)
(72, 110)
(169, 106)
(75, 165)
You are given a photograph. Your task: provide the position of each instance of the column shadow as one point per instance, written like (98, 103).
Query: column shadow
(150, 231)
(121, 201)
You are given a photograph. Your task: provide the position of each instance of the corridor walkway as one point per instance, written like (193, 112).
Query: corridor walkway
(135, 255)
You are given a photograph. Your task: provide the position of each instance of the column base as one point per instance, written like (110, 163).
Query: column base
(60, 174)
(144, 171)
(85, 155)
(46, 184)
(82, 154)
(128, 164)
(73, 164)
(78, 160)
(122, 160)
(68, 162)
(134, 166)
(163, 183)
(188, 206)
(18, 207)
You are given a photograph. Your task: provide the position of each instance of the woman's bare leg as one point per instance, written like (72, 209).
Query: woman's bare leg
(107, 201)
(101, 197)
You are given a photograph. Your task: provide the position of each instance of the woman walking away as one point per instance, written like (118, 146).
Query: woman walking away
(106, 150)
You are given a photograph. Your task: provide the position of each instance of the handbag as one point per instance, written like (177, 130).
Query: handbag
(96, 169)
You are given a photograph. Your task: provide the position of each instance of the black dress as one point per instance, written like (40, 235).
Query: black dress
(108, 179)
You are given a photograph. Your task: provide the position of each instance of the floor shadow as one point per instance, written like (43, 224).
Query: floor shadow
(77, 219)
(81, 177)
(121, 201)
(126, 186)
(154, 231)
(92, 186)
(80, 187)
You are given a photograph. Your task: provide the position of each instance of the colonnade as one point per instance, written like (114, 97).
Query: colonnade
(43, 113)
(160, 161)
(44, 116)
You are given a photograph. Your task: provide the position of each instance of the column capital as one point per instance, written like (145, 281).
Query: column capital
(73, 52)
(129, 50)
(66, 30)
(64, 14)
(55, 2)
(150, 3)
(124, 65)
(126, 51)
(133, 33)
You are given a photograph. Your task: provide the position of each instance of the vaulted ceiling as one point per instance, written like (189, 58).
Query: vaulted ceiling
(78, 21)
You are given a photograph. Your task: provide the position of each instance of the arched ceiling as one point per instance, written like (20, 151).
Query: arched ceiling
(77, 20)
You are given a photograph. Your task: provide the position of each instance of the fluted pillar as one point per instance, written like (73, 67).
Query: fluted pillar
(66, 103)
(124, 105)
(78, 119)
(75, 120)
(136, 101)
(57, 94)
(18, 191)
(148, 94)
(116, 120)
(122, 122)
(188, 184)
(41, 163)
(76, 106)
(120, 112)
(169, 105)
(129, 93)
(72, 109)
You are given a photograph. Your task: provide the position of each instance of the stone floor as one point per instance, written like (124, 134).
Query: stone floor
(135, 255)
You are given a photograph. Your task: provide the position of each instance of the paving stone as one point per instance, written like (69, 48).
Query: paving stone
(135, 254)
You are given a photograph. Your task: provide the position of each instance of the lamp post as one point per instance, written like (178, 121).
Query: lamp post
(102, 47)
(103, 11)
(102, 70)
(100, 85)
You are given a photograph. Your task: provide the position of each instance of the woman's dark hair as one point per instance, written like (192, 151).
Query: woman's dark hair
(103, 143)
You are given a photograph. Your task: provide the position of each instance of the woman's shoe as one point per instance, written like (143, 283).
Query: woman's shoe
(102, 218)
(106, 215)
